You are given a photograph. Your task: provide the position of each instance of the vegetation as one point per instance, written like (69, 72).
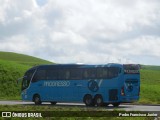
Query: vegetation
(13, 66)
(22, 59)
(150, 67)
(150, 82)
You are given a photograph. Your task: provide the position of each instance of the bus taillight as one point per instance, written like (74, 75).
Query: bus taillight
(122, 91)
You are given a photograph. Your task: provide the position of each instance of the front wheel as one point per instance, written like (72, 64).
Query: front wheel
(37, 100)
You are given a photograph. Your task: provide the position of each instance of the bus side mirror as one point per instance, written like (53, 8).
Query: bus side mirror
(20, 79)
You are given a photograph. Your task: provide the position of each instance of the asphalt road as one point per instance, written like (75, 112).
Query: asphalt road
(126, 107)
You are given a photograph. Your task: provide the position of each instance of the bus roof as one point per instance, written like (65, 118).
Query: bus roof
(77, 65)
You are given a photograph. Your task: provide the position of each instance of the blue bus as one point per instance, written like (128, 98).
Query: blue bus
(95, 85)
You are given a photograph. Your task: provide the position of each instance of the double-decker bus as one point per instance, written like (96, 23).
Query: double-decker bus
(92, 84)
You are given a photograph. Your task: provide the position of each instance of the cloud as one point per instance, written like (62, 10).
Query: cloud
(84, 31)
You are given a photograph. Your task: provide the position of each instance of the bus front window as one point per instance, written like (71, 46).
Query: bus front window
(27, 78)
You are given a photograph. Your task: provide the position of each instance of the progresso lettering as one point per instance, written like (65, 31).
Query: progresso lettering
(57, 84)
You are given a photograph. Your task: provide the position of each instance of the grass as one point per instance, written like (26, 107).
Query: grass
(79, 113)
(150, 67)
(12, 67)
(150, 82)
(22, 59)
(9, 72)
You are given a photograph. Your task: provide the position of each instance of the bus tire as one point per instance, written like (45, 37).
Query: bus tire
(53, 103)
(88, 100)
(116, 104)
(98, 100)
(37, 99)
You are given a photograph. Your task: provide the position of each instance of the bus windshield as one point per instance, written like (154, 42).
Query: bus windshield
(27, 78)
(131, 69)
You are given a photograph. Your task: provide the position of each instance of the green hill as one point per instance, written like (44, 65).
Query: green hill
(150, 86)
(12, 67)
(22, 59)
(150, 67)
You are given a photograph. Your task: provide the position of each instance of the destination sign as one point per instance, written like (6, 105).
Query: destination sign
(131, 71)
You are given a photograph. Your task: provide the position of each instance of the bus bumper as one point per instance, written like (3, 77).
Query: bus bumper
(25, 96)
(130, 99)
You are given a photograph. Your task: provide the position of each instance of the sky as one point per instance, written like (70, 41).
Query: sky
(82, 31)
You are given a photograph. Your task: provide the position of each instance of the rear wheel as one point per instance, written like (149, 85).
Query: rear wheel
(98, 100)
(115, 104)
(88, 100)
(37, 100)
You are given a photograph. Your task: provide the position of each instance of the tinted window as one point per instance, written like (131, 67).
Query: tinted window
(39, 75)
(99, 73)
(52, 74)
(102, 73)
(27, 78)
(113, 72)
(29, 74)
(64, 74)
(76, 74)
(105, 72)
(89, 73)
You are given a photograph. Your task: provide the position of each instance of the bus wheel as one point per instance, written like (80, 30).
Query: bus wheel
(53, 103)
(37, 100)
(88, 100)
(98, 100)
(116, 104)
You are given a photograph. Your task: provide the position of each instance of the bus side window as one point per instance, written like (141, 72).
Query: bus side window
(85, 74)
(52, 74)
(120, 70)
(105, 73)
(67, 74)
(76, 74)
(63, 74)
(39, 75)
(100, 73)
(113, 72)
(89, 73)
